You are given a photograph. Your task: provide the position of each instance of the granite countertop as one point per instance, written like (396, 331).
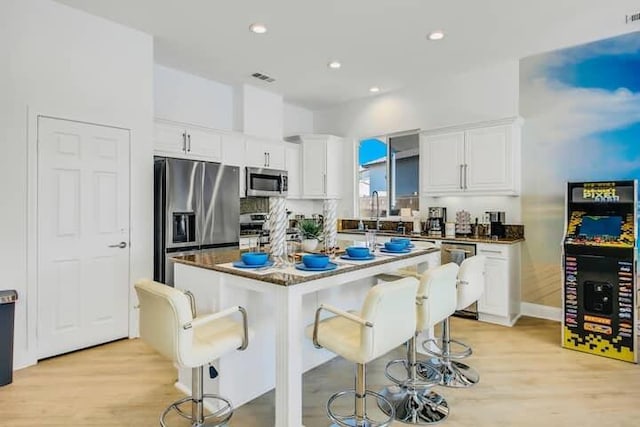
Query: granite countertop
(214, 260)
(505, 241)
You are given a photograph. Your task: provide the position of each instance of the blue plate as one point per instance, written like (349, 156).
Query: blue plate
(330, 266)
(403, 251)
(350, 258)
(241, 264)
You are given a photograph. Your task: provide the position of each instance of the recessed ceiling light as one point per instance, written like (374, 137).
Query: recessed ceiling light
(258, 28)
(436, 35)
(334, 65)
(374, 89)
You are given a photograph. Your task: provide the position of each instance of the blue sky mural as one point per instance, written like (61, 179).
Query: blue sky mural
(584, 104)
(581, 110)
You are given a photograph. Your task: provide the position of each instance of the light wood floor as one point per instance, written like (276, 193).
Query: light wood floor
(526, 380)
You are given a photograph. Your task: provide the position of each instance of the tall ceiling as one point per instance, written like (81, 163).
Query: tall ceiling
(379, 42)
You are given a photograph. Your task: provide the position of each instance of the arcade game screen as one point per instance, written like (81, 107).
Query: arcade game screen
(604, 226)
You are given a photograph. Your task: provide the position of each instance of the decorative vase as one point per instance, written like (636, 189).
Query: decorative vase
(309, 245)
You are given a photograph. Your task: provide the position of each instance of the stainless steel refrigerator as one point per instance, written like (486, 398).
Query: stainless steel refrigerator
(196, 208)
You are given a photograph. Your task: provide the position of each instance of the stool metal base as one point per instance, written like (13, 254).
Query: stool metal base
(416, 405)
(215, 419)
(453, 374)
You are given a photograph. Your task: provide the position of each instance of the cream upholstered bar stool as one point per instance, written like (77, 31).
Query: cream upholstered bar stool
(412, 396)
(470, 286)
(168, 323)
(387, 320)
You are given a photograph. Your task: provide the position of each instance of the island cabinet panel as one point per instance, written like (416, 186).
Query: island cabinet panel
(281, 304)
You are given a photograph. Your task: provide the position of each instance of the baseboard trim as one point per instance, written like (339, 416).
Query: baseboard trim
(541, 311)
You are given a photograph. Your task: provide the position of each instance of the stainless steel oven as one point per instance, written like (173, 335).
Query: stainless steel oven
(458, 252)
(267, 182)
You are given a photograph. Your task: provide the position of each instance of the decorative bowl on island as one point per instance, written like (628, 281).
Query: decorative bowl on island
(358, 252)
(315, 260)
(254, 258)
(395, 246)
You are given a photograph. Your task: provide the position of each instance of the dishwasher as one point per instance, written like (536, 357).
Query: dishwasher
(458, 252)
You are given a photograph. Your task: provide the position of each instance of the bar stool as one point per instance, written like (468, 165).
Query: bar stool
(168, 323)
(452, 372)
(412, 397)
(387, 320)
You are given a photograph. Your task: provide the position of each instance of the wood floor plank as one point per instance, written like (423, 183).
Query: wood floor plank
(527, 379)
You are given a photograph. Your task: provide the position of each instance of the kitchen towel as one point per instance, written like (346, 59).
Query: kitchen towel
(458, 255)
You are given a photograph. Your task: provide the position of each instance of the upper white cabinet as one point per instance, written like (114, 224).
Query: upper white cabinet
(182, 141)
(262, 153)
(293, 160)
(321, 165)
(479, 159)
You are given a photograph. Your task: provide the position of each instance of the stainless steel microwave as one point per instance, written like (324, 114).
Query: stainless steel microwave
(267, 182)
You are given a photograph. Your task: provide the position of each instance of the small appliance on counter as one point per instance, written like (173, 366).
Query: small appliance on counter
(497, 224)
(266, 182)
(463, 223)
(435, 222)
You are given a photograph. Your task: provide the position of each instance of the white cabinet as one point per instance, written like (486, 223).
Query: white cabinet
(292, 154)
(479, 159)
(500, 302)
(321, 165)
(191, 142)
(262, 153)
(441, 162)
(233, 152)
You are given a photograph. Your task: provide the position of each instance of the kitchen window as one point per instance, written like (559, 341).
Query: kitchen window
(389, 165)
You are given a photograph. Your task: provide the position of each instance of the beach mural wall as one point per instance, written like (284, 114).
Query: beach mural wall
(581, 108)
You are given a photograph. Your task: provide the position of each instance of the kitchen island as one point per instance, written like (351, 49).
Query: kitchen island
(280, 304)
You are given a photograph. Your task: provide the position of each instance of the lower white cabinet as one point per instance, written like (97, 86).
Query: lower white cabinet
(500, 302)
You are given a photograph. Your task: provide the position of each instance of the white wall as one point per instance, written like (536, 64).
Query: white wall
(483, 94)
(297, 120)
(262, 112)
(486, 93)
(68, 64)
(187, 98)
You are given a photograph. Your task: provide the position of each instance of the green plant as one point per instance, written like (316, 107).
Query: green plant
(309, 229)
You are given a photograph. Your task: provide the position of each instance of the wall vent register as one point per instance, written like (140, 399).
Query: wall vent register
(263, 77)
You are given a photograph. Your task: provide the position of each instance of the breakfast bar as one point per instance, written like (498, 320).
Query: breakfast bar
(280, 303)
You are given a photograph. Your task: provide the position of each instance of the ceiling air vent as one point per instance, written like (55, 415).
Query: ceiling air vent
(263, 77)
(632, 18)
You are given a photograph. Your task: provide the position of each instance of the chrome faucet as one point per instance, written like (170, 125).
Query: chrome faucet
(375, 193)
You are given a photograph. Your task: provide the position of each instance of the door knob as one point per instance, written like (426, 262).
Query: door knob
(120, 245)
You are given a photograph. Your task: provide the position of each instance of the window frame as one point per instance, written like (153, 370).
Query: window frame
(384, 138)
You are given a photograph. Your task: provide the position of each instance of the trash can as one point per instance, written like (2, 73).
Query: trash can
(7, 310)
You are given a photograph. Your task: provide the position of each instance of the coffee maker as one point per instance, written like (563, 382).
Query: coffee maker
(435, 222)
(497, 223)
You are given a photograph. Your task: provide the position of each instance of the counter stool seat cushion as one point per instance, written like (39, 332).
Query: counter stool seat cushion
(391, 323)
(167, 310)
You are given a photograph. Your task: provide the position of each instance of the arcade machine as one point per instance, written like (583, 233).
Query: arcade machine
(599, 263)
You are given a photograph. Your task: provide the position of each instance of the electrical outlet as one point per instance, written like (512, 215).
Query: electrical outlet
(629, 19)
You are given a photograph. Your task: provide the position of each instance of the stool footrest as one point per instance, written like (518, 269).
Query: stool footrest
(429, 345)
(217, 418)
(349, 420)
(419, 381)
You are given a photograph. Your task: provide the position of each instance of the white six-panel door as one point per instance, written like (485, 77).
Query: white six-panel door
(83, 235)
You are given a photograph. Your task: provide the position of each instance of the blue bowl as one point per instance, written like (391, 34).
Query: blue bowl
(357, 252)
(315, 261)
(402, 240)
(395, 246)
(254, 258)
